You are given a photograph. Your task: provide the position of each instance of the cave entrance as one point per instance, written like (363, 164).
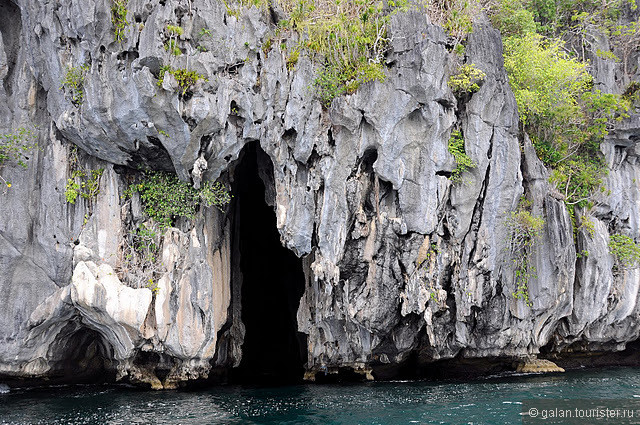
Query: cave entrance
(81, 355)
(272, 279)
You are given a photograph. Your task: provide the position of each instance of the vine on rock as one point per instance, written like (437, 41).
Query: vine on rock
(119, 19)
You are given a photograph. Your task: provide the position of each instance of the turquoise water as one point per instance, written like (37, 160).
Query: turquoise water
(494, 400)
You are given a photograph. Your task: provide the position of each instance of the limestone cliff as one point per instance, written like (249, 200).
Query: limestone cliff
(397, 261)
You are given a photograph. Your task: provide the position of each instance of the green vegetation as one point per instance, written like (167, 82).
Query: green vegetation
(185, 78)
(175, 30)
(119, 19)
(626, 38)
(73, 83)
(83, 183)
(347, 40)
(455, 16)
(467, 80)
(15, 147)
(524, 232)
(171, 45)
(546, 82)
(625, 250)
(463, 161)
(512, 19)
(165, 197)
(204, 32)
(564, 116)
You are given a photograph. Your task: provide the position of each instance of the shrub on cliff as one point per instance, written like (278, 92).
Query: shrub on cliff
(165, 197)
(119, 19)
(463, 161)
(565, 118)
(73, 83)
(16, 147)
(625, 251)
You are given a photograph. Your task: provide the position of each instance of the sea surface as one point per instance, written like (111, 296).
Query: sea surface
(492, 400)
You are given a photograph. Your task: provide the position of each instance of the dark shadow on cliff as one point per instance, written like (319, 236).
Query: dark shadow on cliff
(272, 280)
(10, 28)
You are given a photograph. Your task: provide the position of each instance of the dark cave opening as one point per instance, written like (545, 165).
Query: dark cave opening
(272, 280)
(81, 355)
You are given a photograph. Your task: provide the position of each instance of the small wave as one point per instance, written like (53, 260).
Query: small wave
(4, 389)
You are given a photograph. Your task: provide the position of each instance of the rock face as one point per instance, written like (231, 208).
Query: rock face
(399, 262)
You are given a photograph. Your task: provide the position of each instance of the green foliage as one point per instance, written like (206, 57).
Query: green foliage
(175, 30)
(602, 111)
(73, 83)
(83, 183)
(625, 250)
(458, 17)
(555, 17)
(627, 39)
(145, 242)
(578, 178)
(333, 81)
(564, 117)
(587, 224)
(511, 18)
(165, 197)
(163, 70)
(185, 78)
(292, 59)
(15, 147)
(153, 285)
(466, 80)
(463, 161)
(347, 39)
(214, 195)
(119, 19)
(525, 231)
(267, 45)
(171, 46)
(547, 83)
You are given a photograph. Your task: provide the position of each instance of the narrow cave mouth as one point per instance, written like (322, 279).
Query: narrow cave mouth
(272, 279)
(81, 355)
